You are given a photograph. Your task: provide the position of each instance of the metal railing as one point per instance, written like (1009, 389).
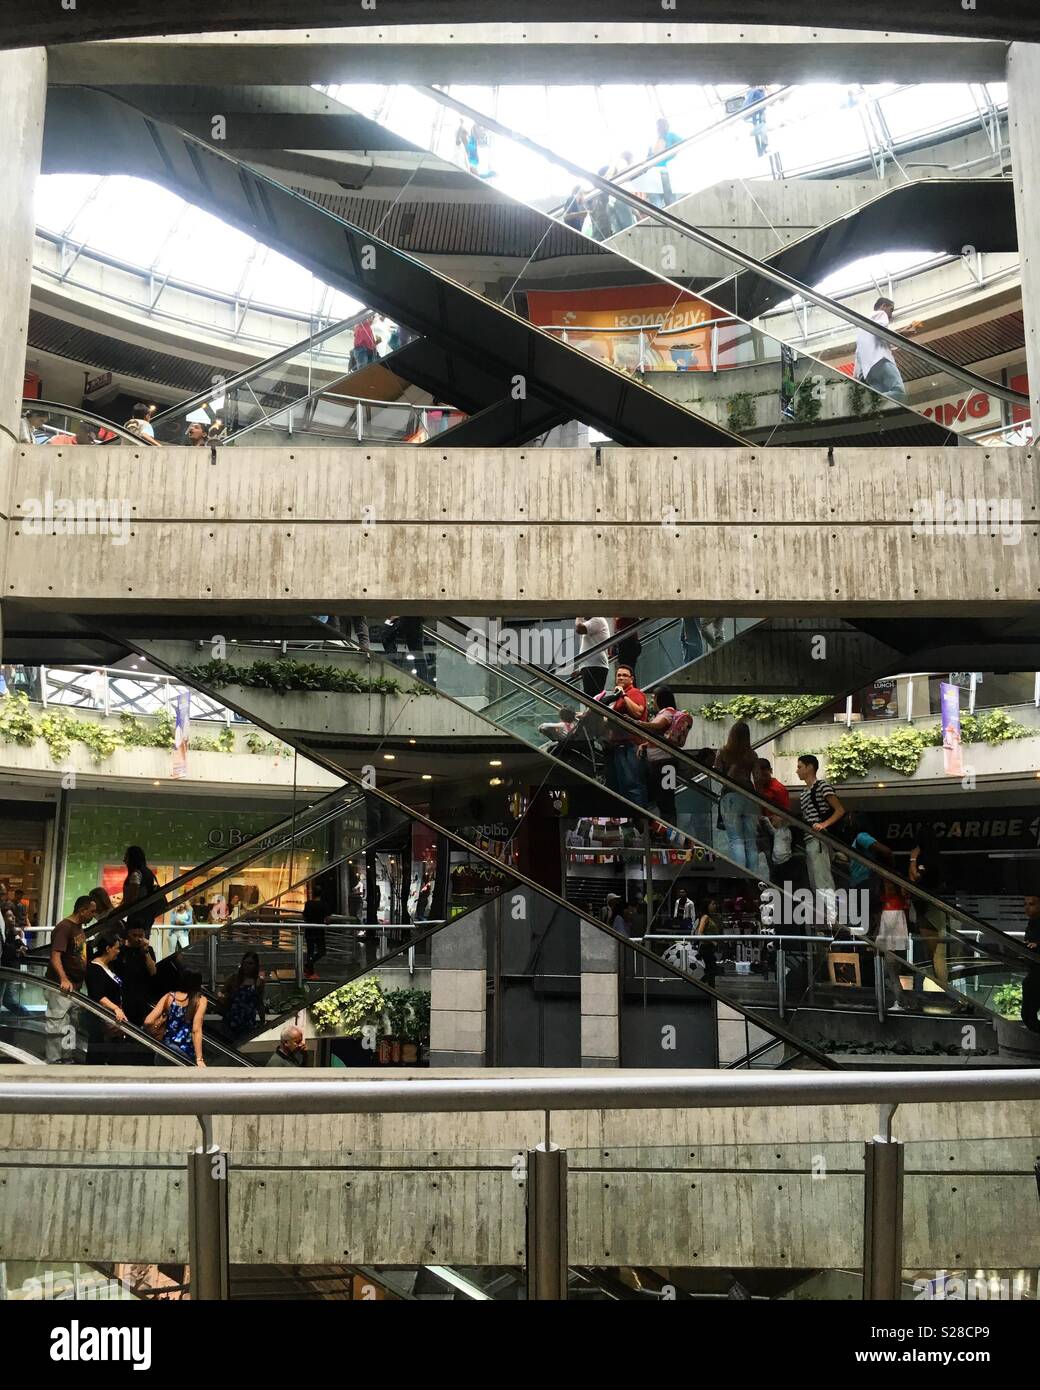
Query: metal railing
(209, 1166)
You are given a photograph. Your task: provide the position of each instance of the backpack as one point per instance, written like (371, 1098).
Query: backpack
(679, 731)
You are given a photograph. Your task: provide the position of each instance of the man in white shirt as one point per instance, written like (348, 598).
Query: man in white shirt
(592, 632)
(875, 363)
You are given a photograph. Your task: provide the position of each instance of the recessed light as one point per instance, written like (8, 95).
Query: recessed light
(389, 757)
(495, 782)
(156, 784)
(411, 740)
(495, 762)
(427, 776)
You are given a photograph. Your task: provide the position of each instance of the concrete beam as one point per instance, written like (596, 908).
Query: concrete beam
(758, 532)
(537, 53)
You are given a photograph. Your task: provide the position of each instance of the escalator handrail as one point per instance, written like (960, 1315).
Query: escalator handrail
(243, 377)
(681, 758)
(852, 317)
(31, 403)
(84, 1001)
(633, 171)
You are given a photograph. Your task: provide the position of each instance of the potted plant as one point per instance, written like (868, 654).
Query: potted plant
(408, 1015)
(347, 1013)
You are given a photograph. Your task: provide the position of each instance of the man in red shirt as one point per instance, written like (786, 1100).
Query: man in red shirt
(364, 343)
(767, 786)
(625, 771)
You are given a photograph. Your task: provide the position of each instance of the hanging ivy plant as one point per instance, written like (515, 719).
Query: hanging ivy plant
(740, 412)
(855, 754)
(287, 675)
(783, 709)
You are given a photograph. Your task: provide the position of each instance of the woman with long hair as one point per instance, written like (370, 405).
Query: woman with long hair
(140, 883)
(661, 777)
(736, 760)
(242, 997)
(179, 1016)
(102, 901)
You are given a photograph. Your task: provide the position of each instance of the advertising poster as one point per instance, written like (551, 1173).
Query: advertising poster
(879, 701)
(953, 757)
(637, 328)
(181, 735)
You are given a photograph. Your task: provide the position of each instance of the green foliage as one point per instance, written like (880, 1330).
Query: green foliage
(808, 400)
(783, 709)
(740, 412)
(286, 675)
(1007, 1000)
(855, 753)
(346, 1010)
(60, 729)
(17, 722)
(406, 1015)
(863, 401)
(256, 743)
(154, 732)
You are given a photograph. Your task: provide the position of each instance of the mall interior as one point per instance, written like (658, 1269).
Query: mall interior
(335, 386)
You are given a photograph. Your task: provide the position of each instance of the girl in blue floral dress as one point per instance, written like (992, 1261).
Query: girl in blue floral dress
(180, 1013)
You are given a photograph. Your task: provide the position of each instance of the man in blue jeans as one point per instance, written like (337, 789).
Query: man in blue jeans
(624, 769)
(875, 363)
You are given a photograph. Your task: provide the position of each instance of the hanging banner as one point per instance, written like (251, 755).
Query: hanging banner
(635, 328)
(181, 735)
(953, 754)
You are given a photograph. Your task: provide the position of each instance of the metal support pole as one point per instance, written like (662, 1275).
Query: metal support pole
(547, 1223)
(208, 1219)
(298, 956)
(211, 943)
(781, 979)
(882, 1219)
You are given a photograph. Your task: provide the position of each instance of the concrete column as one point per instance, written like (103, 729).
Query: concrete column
(600, 1037)
(23, 91)
(458, 992)
(1023, 75)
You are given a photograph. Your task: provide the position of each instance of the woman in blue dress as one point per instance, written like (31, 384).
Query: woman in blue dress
(180, 1014)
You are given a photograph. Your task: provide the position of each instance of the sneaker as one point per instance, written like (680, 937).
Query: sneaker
(896, 1009)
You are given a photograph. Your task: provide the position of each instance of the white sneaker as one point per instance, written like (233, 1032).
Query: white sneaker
(896, 1009)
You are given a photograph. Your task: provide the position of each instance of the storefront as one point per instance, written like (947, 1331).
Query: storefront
(176, 834)
(26, 836)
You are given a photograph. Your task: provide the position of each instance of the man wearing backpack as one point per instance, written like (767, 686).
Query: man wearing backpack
(672, 726)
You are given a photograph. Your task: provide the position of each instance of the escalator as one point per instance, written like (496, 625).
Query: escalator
(798, 989)
(47, 1026)
(735, 340)
(783, 396)
(360, 263)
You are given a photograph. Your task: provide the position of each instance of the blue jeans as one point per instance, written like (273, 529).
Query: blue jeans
(740, 818)
(692, 639)
(884, 377)
(625, 773)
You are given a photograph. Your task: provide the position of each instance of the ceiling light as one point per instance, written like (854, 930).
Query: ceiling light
(411, 740)
(495, 762)
(156, 784)
(428, 776)
(495, 782)
(389, 757)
